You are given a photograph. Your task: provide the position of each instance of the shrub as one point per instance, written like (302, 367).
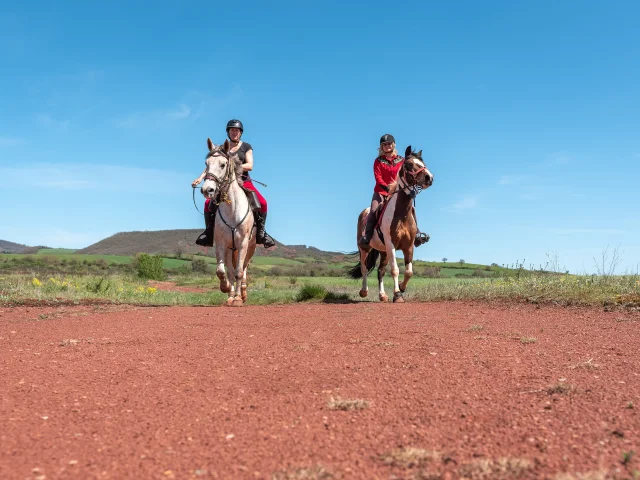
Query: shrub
(311, 292)
(431, 272)
(200, 266)
(150, 266)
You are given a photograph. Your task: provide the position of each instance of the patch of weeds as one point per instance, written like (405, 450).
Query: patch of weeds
(630, 405)
(311, 292)
(43, 316)
(69, 342)
(317, 472)
(559, 389)
(410, 457)
(347, 404)
(527, 340)
(627, 456)
(623, 319)
(301, 348)
(502, 468)
(587, 365)
(480, 337)
(475, 328)
(332, 297)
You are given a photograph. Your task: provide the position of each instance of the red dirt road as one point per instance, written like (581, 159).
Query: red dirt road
(476, 390)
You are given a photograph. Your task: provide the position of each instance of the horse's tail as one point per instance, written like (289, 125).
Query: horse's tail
(370, 262)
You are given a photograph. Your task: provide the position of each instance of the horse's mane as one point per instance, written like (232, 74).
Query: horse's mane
(238, 167)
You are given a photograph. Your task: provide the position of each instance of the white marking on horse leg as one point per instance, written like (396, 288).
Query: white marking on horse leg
(408, 273)
(395, 271)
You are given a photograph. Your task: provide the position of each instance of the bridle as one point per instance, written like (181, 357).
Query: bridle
(225, 182)
(414, 187)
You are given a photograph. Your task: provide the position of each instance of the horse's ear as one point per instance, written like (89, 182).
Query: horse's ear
(407, 152)
(419, 154)
(210, 144)
(225, 147)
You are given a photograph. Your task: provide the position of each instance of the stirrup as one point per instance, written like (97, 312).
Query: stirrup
(267, 241)
(421, 238)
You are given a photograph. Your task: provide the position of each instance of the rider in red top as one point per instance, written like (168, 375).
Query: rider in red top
(385, 171)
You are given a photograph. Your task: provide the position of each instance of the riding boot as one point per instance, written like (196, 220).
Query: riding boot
(206, 238)
(368, 230)
(262, 237)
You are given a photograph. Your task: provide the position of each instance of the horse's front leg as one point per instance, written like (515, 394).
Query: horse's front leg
(408, 267)
(382, 268)
(395, 272)
(225, 287)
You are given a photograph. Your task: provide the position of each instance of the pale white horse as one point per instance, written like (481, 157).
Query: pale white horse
(233, 235)
(398, 227)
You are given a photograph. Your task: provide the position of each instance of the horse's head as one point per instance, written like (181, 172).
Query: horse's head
(220, 169)
(415, 172)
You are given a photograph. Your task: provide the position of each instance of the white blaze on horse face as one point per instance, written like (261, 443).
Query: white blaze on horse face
(428, 180)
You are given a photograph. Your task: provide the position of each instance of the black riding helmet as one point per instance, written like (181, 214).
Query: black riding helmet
(387, 138)
(235, 124)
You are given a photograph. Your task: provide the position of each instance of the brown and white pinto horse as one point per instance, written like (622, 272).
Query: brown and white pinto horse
(398, 227)
(234, 239)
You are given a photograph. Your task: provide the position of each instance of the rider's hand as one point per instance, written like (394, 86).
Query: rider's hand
(195, 182)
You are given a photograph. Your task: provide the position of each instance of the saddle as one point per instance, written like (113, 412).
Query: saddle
(253, 199)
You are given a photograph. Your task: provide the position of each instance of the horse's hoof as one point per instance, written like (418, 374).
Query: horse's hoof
(384, 298)
(402, 290)
(397, 297)
(229, 302)
(364, 293)
(237, 302)
(225, 288)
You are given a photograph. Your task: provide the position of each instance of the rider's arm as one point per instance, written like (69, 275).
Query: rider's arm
(248, 165)
(200, 178)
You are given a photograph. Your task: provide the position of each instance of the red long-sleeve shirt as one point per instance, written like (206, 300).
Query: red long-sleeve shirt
(385, 172)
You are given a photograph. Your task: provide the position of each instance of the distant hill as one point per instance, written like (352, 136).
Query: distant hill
(10, 247)
(173, 241)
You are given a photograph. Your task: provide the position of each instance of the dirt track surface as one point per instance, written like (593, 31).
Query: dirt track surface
(478, 391)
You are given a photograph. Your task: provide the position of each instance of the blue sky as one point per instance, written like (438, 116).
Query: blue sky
(527, 114)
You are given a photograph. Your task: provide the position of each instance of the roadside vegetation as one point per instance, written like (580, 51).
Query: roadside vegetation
(57, 276)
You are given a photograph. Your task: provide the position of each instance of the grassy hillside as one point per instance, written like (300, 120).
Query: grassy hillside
(179, 242)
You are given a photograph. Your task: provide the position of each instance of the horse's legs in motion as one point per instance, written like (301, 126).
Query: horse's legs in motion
(239, 273)
(364, 291)
(408, 268)
(225, 287)
(382, 268)
(395, 272)
(228, 260)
